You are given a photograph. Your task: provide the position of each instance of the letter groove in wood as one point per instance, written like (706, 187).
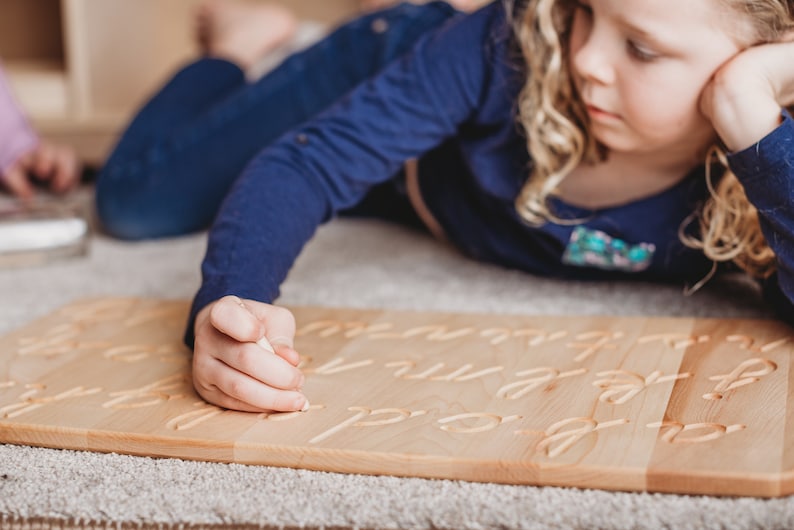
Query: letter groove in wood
(659, 404)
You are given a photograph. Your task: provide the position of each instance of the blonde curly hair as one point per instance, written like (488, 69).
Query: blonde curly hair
(558, 137)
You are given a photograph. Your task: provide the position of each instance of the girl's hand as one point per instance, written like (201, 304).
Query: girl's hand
(744, 97)
(233, 366)
(57, 165)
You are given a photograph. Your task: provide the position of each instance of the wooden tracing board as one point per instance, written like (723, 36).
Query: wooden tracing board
(650, 404)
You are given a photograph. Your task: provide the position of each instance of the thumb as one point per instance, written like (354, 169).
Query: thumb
(229, 316)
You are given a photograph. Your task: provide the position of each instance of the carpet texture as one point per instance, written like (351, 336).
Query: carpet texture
(355, 263)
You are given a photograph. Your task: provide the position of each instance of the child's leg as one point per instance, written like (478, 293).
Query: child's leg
(181, 154)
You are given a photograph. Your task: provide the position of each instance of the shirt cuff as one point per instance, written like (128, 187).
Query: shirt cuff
(16, 135)
(22, 141)
(766, 168)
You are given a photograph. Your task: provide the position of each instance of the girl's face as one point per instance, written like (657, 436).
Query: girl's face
(641, 65)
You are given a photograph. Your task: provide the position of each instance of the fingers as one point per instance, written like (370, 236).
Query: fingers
(66, 172)
(43, 164)
(16, 181)
(232, 389)
(258, 363)
(57, 165)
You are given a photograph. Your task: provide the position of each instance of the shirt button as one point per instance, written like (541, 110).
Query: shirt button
(379, 25)
(302, 139)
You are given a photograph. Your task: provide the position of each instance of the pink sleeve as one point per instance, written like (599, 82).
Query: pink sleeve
(16, 135)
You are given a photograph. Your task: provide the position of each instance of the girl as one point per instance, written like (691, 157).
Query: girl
(599, 139)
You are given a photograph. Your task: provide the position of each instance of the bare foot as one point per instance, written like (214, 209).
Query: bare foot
(242, 31)
(460, 5)
(373, 5)
(466, 5)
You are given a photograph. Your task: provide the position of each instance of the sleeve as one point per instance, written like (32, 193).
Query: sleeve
(330, 162)
(766, 170)
(16, 135)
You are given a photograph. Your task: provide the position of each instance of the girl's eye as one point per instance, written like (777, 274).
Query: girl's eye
(640, 53)
(583, 7)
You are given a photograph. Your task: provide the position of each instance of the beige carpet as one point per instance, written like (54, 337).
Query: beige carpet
(350, 263)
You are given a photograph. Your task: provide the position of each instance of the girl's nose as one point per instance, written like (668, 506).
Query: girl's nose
(592, 62)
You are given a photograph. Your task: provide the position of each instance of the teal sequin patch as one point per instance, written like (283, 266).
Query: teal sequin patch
(593, 248)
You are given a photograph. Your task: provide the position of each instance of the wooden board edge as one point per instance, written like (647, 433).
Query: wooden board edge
(761, 485)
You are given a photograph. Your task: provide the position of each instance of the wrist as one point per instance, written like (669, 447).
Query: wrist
(742, 117)
(746, 131)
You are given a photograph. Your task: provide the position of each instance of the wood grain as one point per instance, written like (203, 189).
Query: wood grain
(646, 404)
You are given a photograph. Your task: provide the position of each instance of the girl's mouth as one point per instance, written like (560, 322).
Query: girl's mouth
(600, 114)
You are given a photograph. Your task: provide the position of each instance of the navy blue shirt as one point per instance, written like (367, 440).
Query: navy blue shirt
(451, 103)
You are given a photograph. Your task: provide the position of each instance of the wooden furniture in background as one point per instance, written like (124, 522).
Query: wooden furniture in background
(82, 67)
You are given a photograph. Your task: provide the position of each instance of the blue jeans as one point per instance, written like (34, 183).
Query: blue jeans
(181, 153)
